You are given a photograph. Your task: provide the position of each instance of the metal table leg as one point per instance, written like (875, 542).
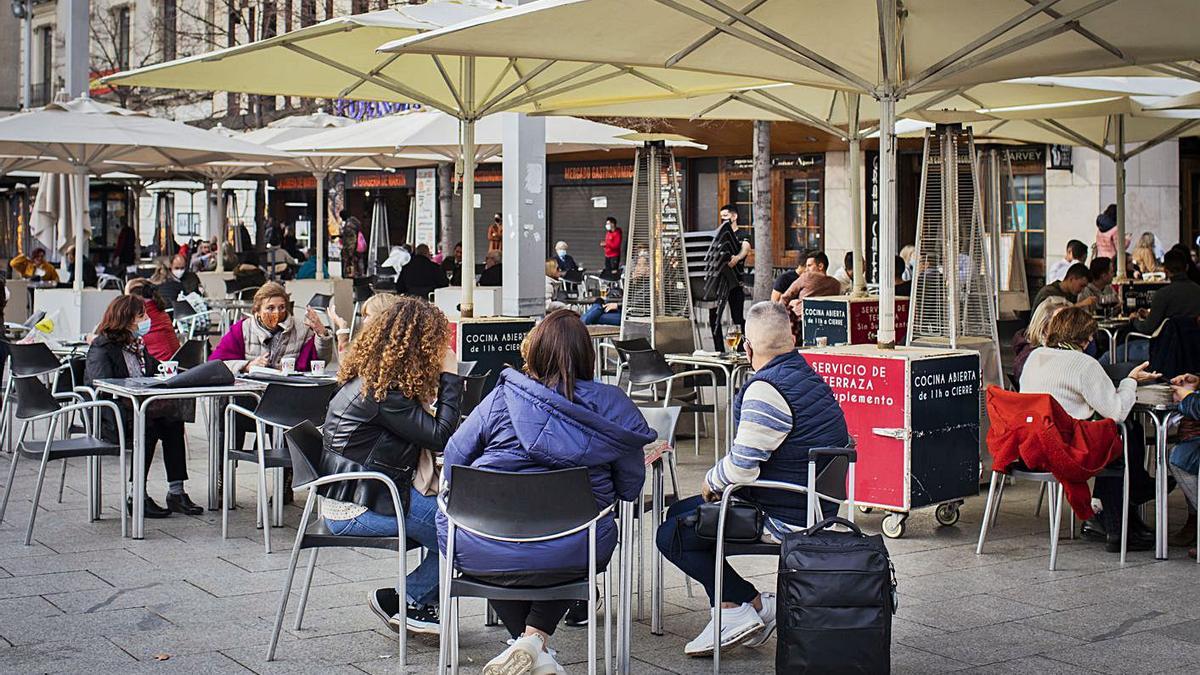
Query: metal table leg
(139, 469)
(214, 452)
(656, 574)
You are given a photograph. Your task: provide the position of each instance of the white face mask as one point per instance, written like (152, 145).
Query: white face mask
(178, 273)
(562, 252)
(608, 226)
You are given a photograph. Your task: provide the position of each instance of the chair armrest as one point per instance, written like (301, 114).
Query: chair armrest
(849, 453)
(69, 396)
(365, 475)
(89, 392)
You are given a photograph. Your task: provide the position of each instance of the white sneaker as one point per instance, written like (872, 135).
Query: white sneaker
(518, 659)
(768, 618)
(738, 624)
(546, 665)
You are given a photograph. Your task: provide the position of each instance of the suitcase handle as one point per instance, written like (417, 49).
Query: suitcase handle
(833, 520)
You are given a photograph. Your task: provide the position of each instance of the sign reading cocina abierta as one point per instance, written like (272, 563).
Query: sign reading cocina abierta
(492, 345)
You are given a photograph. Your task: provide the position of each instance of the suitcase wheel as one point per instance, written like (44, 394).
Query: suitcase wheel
(893, 525)
(947, 514)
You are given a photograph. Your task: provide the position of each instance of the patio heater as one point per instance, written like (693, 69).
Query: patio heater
(164, 221)
(658, 298)
(379, 246)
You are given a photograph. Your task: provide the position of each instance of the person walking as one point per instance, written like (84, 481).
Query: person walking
(723, 272)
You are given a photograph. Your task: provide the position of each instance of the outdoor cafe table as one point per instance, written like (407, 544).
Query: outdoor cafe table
(734, 366)
(141, 397)
(599, 335)
(1157, 401)
(1112, 328)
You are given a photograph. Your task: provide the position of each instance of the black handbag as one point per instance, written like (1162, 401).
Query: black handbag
(836, 597)
(743, 522)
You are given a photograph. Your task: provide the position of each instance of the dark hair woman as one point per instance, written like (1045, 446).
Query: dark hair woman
(379, 420)
(118, 352)
(551, 416)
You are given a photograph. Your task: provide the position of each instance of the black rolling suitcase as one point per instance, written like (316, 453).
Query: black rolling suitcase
(836, 598)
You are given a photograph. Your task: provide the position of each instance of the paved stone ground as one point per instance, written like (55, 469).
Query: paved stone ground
(81, 599)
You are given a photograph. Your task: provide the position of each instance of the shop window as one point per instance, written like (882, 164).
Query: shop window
(802, 213)
(1025, 214)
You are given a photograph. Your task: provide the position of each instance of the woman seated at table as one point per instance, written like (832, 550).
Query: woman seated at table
(161, 341)
(1082, 387)
(117, 352)
(272, 334)
(374, 306)
(378, 420)
(175, 279)
(1034, 336)
(35, 267)
(566, 419)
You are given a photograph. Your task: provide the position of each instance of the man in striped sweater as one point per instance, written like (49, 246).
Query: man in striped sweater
(784, 410)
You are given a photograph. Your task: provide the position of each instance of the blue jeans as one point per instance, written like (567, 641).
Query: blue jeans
(596, 315)
(697, 557)
(420, 525)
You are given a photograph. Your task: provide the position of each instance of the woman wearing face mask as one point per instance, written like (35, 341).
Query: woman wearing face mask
(119, 351)
(565, 262)
(273, 334)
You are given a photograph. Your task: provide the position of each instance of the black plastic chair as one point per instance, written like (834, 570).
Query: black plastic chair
(517, 508)
(834, 484)
(474, 392)
(304, 447)
(34, 403)
(191, 354)
(648, 369)
(281, 406)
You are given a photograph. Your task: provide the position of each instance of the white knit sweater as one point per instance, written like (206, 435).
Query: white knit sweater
(1079, 384)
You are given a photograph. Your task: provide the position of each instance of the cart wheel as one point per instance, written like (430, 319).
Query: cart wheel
(865, 509)
(893, 525)
(947, 514)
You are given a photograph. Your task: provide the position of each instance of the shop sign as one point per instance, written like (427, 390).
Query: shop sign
(376, 181)
(777, 162)
(1060, 157)
(619, 172)
(1028, 154)
(426, 207)
(296, 183)
(489, 174)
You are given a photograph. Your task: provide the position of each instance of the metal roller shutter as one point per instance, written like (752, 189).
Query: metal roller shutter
(575, 220)
(491, 202)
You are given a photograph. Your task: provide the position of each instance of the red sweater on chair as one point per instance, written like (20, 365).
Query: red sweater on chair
(1035, 429)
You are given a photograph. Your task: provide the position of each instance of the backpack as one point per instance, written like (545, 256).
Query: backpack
(836, 597)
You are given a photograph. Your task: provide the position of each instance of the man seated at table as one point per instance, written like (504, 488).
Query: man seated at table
(1100, 278)
(493, 273)
(90, 278)
(452, 266)
(903, 286)
(308, 269)
(1069, 287)
(1076, 253)
(812, 282)
(35, 267)
(784, 410)
(845, 274)
(1179, 298)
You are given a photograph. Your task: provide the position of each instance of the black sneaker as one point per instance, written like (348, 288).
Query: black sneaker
(578, 616)
(422, 619)
(385, 603)
(181, 503)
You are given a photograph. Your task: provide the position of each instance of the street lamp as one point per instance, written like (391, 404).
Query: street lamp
(23, 11)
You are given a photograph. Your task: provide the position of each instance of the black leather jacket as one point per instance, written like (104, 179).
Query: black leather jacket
(362, 434)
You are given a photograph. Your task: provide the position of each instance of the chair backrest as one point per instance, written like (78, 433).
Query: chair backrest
(362, 290)
(183, 309)
(474, 392)
(508, 505)
(286, 405)
(32, 359)
(831, 481)
(232, 286)
(632, 345)
(662, 421)
(646, 365)
(247, 294)
(305, 444)
(191, 353)
(33, 398)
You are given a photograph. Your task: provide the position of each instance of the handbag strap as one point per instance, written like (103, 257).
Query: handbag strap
(833, 520)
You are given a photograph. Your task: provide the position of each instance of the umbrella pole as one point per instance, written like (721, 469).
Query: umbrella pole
(81, 212)
(887, 221)
(222, 236)
(467, 308)
(856, 219)
(319, 229)
(1119, 158)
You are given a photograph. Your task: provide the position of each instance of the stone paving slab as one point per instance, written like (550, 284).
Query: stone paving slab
(82, 599)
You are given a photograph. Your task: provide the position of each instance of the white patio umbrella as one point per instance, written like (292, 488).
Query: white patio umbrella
(1104, 125)
(885, 49)
(94, 137)
(336, 58)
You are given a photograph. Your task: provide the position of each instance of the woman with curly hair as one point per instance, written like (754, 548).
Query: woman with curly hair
(379, 420)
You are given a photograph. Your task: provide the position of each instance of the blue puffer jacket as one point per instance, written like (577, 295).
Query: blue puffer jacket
(524, 426)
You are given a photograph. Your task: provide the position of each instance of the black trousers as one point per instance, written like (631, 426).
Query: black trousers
(736, 301)
(1108, 489)
(612, 265)
(543, 615)
(170, 433)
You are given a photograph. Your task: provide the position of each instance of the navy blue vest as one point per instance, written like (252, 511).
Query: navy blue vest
(817, 421)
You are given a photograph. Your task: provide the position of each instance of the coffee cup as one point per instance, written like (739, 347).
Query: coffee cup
(168, 368)
(317, 368)
(288, 365)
